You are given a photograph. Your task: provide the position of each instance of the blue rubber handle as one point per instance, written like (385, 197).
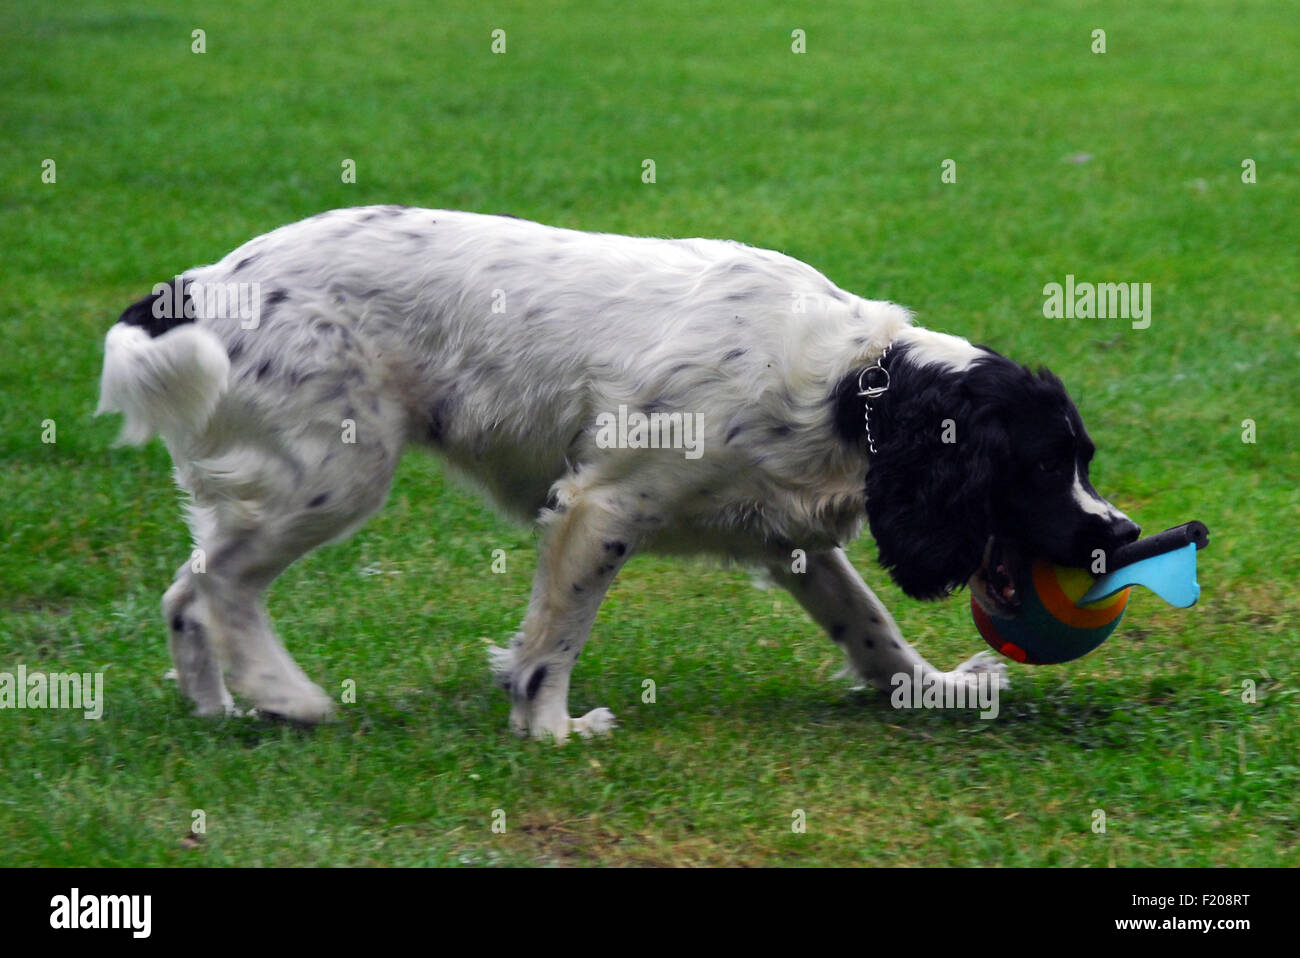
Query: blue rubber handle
(1170, 575)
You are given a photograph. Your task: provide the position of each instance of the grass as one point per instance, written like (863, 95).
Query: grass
(166, 159)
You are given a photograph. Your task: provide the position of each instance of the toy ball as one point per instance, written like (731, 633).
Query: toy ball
(1065, 613)
(1050, 627)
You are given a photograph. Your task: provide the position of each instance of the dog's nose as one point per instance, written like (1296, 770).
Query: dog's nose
(1127, 531)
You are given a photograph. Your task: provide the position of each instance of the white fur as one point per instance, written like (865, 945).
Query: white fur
(169, 385)
(1092, 503)
(955, 353)
(498, 342)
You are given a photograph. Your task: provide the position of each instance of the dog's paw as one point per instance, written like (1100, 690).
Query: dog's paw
(222, 710)
(306, 705)
(552, 723)
(596, 722)
(985, 663)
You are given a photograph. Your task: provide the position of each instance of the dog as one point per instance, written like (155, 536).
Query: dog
(626, 394)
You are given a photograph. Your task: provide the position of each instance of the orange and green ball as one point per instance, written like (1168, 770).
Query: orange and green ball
(1050, 628)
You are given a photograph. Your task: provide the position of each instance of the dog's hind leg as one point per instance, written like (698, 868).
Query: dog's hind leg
(585, 542)
(198, 670)
(247, 543)
(840, 602)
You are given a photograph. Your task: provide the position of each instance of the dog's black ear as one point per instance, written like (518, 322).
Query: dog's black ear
(930, 486)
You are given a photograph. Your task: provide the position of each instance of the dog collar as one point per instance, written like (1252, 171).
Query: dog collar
(873, 382)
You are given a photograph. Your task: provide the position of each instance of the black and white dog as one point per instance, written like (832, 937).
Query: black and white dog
(628, 394)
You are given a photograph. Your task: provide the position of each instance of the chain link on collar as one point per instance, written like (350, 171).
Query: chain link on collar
(873, 392)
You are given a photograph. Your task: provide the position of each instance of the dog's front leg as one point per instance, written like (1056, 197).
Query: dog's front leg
(584, 545)
(836, 597)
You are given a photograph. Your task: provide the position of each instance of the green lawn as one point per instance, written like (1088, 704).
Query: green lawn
(166, 159)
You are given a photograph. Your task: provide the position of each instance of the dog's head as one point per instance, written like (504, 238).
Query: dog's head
(980, 463)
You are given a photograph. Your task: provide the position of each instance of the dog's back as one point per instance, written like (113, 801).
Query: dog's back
(499, 342)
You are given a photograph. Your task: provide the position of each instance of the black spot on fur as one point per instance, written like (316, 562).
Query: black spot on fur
(868, 643)
(439, 418)
(318, 500)
(605, 569)
(157, 313)
(535, 682)
(732, 433)
(178, 623)
(246, 261)
(577, 587)
(734, 354)
(273, 299)
(235, 350)
(226, 555)
(618, 548)
(263, 369)
(837, 630)
(781, 430)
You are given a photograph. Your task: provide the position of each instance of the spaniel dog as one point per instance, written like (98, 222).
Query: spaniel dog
(626, 394)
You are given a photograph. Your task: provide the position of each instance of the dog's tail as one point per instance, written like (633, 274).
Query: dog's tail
(162, 371)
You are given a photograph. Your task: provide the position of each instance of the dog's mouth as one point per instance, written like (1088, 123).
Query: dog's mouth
(996, 583)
